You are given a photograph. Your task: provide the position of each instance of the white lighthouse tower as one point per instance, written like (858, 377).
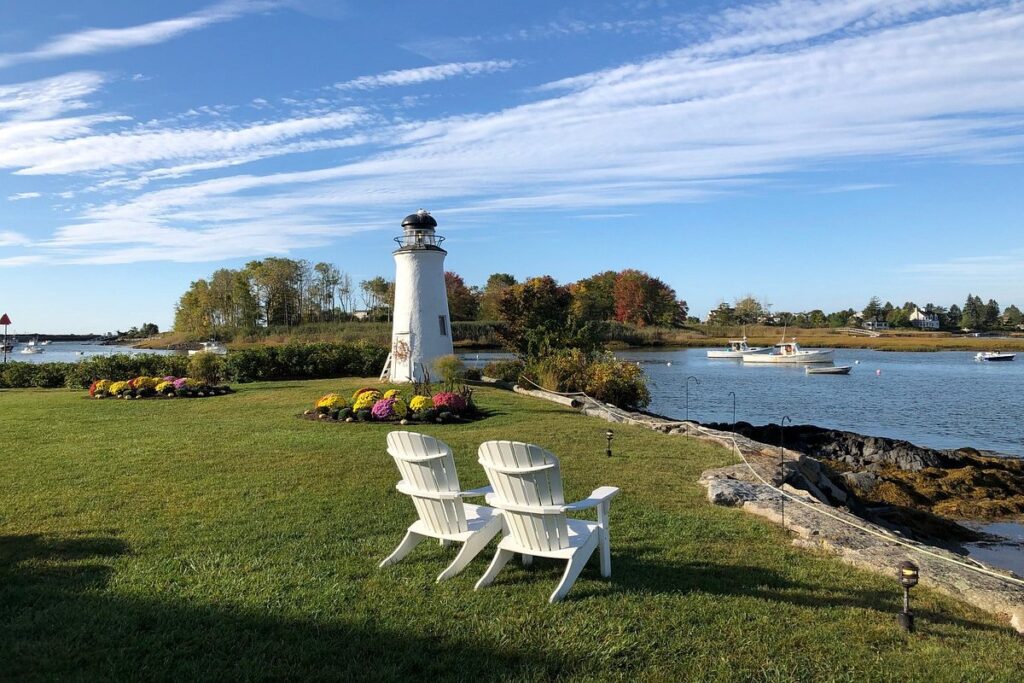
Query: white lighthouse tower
(422, 328)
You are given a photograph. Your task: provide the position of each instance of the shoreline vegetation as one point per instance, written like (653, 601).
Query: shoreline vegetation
(484, 336)
(262, 533)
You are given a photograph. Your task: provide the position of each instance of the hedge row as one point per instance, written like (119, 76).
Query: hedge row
(292, 361)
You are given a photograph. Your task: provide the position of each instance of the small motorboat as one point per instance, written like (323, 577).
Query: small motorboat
(45, 342)
(213, 347)
(993, 356)
(790, 353)
(31, 348)
(737, 348)
(829, 370)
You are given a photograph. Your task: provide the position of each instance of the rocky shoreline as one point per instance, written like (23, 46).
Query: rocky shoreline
(831, 509)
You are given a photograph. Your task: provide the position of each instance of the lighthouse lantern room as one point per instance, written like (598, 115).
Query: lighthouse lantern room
(422, 330)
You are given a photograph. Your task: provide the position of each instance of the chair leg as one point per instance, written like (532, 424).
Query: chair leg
(605, 543)
(572, 571)
(527, 560)
(411, 540)
(470, 549)
(501, 558)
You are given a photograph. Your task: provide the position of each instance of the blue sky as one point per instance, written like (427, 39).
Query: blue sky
(813, 153)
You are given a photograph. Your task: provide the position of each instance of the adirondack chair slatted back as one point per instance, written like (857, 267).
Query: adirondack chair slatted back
(428, 468)
(526, 475)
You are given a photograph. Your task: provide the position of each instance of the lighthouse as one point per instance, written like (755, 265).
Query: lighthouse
(422, 327)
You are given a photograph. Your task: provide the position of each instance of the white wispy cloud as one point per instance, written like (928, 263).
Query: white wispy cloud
(142, 147)
(791, 85)
(96, 40)
(9, 238)
(439, 72)
(18, 196)
(1002, 268)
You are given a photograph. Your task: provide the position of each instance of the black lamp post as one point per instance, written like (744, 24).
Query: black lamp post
(733, 394)
(908, 574)
(782, 462)
(608, 435)
(688, 393)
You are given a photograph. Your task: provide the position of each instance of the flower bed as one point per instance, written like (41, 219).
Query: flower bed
(371, 405)
(156, 387)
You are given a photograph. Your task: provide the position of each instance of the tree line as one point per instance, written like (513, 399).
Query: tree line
(281, 292)
(975, 314)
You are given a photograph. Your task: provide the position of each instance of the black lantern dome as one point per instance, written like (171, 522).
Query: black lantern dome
(418, 229)
(421, 220)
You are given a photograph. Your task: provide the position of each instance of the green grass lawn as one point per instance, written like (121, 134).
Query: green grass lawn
(225, 538)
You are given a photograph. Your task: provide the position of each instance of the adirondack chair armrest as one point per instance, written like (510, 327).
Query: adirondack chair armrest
(404, 487)
(474, 493)
(597, 496)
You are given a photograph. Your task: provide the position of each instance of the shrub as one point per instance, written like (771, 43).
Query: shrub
(208, 368)
(452, 370)
(505, 370)
(563, 371)
(621, 384)
(306, 361)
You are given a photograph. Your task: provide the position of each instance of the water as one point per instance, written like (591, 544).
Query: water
(941, 399)
(1009, 554)
(72, 352)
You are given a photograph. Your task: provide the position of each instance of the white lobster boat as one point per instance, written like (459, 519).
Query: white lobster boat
(791, 353)
(213, 347)
(992, 356)
(737, 349)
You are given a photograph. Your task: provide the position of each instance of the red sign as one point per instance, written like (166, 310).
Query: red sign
(4, 320)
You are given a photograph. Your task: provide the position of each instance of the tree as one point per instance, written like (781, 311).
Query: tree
(1012, 317)
(898, 317)
(990, 317)
(593, 298)
(973, 316)
(193, 314)
(378, 297)
(463, 304)
(538, 320)
(952, 319)
(490, 299)
(323, 289)
(748, 310)
(723, 315)
(644, 300)
(873, 310)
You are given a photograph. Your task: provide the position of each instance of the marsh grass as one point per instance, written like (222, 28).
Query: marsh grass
(226, 539)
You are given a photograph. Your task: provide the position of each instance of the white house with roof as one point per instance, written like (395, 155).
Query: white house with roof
(923, 320)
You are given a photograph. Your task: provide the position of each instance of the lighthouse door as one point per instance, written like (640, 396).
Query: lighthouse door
(402, 369)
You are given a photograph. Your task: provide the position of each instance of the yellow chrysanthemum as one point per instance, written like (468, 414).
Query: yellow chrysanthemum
(419, 403)
(163, 386)
(366, 399)
(118, 387)
(331, 401)
(103, 385)
(391, 393)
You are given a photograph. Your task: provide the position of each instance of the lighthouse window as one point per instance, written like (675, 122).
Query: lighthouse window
(443, 323)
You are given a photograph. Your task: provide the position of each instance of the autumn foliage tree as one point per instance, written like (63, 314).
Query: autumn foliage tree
(642, 300)
(463, 302)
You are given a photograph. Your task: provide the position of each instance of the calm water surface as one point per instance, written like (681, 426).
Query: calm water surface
(68, 352)
(941, 400)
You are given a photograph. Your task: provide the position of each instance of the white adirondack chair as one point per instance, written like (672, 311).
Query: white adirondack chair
(429, 478)
(527, 486)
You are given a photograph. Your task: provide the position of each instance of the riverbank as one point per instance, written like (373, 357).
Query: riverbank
(483, 336)
(254, 537)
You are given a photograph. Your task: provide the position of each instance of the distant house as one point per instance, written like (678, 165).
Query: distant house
(875, 324)
(360, 315)
(924, 321)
